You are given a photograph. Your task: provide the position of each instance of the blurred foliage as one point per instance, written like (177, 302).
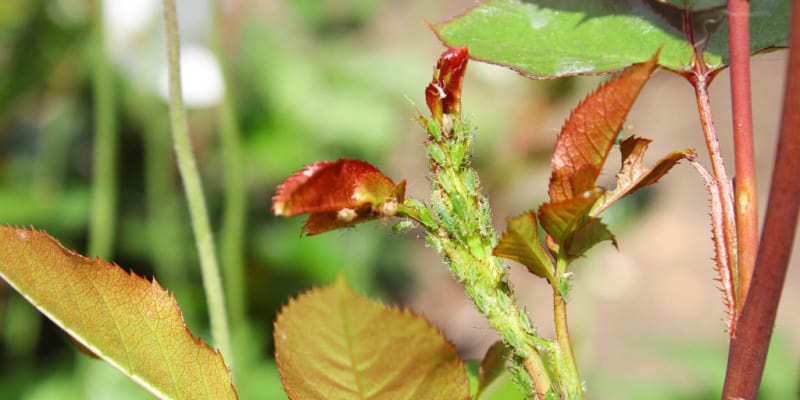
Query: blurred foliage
(310, 83)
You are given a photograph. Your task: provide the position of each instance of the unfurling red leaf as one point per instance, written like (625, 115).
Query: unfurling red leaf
(443, 94)
(129, 322)
(331, 343)
(492, 366)
(589, 133)
(633, 175)
(522, 244)
(338, 194)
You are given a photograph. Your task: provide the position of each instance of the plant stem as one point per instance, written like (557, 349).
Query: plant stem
(204, 240)
(494, 299)
(748, 349)
(727, 252)
(745, 183)
(233, 225)
(567, 365)
(104, 193)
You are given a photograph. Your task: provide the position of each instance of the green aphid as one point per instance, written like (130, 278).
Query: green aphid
(446, 183)
(434, 129)
(458, 150)
(436, 154)
(470, 182)
(403, 226)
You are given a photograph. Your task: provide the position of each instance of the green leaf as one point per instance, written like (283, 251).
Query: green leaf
(592, 232)
(131, 323)
(492, 366)
(633, 175)
(556, 38)
(522, 244)
(589, 133)
(331, 343)
(562, 219)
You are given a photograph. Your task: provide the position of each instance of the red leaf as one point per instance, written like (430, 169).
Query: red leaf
(587, 136)
(443, 94)
(337, 194)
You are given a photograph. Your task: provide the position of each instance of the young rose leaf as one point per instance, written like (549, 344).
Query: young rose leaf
(492, 366)
(545, 39)
(331, 343)
(562, 219)
(131, 323)
(522, 244)
(633, 175)
(589, 133)
(338, 194)
(590, 233)
(443, 94)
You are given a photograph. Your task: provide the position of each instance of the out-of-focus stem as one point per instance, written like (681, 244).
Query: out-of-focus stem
(745, 183)
(104, 192)
(212, 282)
(233, 224)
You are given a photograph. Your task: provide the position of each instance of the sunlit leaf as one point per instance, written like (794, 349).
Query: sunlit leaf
(555, 38)
(492, 366)
(337, 194)
(633, 174)
(331, 343)
(588, 135)
(522, 244)
(129, 322)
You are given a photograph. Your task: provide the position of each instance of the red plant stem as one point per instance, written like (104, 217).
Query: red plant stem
(748, 349)
(745, 183)
(700, 78)
(728, 258)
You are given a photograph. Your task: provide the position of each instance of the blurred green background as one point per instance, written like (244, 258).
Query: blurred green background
(310, 80)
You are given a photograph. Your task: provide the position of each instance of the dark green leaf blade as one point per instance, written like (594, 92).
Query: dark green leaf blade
(331, 343)
(633, 175)
(547, 39)
(522, 244)
(769, 28)
(588, 135)
(592, 232)
(492, 366)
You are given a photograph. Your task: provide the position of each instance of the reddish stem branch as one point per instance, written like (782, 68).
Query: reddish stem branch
(745, 184)
(727, 249)
(748, 350)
